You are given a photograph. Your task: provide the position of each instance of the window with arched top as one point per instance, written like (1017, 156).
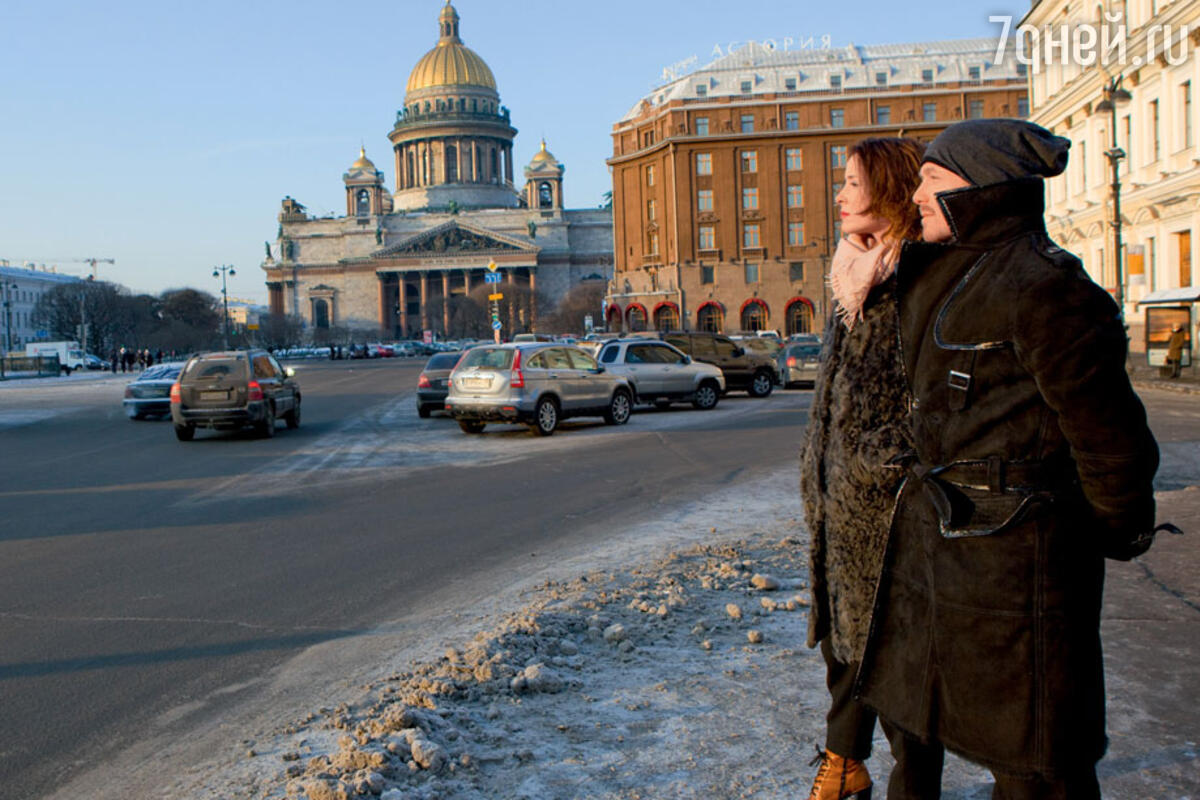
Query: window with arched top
(495, 166)
(799, 318)
(320, 310)
(545, 195)
(362, 203)
(612, 318)
(666, 318)
(635, 317)
(709, 317)
(451, 163)
(754, 316)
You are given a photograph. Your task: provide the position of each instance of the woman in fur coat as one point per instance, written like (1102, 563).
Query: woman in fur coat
(857, 424)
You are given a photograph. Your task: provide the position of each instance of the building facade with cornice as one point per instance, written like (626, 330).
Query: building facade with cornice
(723, 179)
(1157, 134)
(399, 263)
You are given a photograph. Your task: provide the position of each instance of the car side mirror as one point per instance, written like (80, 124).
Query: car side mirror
(687, 359)
(599, 368)
(289, 372)
(738, 352)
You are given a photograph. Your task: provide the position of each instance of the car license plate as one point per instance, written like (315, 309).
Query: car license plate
(214, 395)
(476, 383)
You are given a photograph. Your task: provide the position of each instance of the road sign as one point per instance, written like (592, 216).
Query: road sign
(491, 266)
(496, 325)
(492, 277)
(496, 296)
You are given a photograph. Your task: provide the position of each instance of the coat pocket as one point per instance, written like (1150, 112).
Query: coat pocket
(965, 511)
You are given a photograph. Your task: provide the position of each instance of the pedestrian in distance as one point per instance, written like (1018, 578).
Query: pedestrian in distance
(857, 425)
(1032, 462)
(112, 359)
(1175, 347)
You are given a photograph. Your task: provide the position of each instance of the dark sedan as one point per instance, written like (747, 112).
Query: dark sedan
(150, 394)
(434, 385)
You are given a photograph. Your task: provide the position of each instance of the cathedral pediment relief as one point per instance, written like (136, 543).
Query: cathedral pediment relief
(454, 239)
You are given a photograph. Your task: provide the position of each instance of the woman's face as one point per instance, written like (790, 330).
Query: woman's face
(853, 201)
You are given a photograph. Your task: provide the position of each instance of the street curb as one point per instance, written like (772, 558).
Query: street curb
(1178, 388)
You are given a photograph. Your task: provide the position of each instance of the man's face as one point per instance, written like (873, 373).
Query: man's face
(935, 179)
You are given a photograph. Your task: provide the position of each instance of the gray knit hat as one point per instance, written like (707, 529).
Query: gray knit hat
(996, 150)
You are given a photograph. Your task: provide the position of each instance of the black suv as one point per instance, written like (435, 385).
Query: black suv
(232, 389)
(744, 370)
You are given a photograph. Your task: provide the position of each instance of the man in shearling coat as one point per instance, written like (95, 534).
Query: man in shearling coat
(1032, 463)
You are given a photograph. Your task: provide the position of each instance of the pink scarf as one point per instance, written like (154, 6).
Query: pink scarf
(854, 272)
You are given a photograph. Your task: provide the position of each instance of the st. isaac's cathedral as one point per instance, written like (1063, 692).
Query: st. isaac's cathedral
(394, 264)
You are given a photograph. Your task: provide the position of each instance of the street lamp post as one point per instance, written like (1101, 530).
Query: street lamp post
(224, 271)
(1114, 94)
(7, 287)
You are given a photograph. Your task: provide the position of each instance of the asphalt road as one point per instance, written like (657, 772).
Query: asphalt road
(142, 577)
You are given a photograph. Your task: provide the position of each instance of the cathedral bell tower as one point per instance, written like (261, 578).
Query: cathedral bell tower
(365, 195)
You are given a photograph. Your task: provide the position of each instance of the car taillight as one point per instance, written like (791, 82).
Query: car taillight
(175, 398)
(423, 382)
(254, 391)
(791, 361)
(516, 379)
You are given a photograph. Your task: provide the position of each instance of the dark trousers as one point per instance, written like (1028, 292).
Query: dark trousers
(849, 725)
(918, 776)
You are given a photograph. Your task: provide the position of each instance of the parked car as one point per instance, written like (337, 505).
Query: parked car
(535, 383)
(766, 345)
(810, 338)
(94, 362)
(433, 383)
(661, 374)
(229, 390)
(149, 395)
(798, 363)
(744, 370)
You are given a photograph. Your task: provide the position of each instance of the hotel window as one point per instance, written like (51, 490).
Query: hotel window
(794, 158)
(974, 73)
(650, 175)
(795, 234)
(652, 243)
(1022, 104)
(747, 123)
(795, 196)
(926, 76)
(883, 115)
(747, 87)
(1022, 70)
(749, 161)
(835, 82)
(708, 237)
(837, 117)
(648, 138)
(701, 90)
(929, 112)
(704, 200)
(789, 84)
(1186, 97)
(750, 238)
(751, 272)
(702, 126)
(707, 273)
(651, 210)
(750, 197)
(796, 272)
(837, 156)
(975, 109)
(881, 78)
(791, 120)
(1154, 130)
(704, 163)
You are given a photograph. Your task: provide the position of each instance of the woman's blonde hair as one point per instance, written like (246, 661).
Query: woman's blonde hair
(890, 168)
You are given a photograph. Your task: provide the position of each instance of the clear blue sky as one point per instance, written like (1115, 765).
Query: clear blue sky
(164, 134)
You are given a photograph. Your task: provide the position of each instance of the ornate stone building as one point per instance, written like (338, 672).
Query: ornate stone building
(723, 179)
(396, 263)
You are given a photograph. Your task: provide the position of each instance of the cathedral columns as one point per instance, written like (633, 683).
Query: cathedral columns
(403, 303)
(532, 297)
(384, 316)
(508, 165)
(466, 282)
(424, 300)
(445, 303)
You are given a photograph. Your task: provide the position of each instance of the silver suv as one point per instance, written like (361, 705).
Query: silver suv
(661, 374)
(534, 383)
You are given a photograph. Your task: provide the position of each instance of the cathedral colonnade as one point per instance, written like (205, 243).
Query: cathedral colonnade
(414, 300)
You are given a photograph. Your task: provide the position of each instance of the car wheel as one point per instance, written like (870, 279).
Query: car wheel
(293, 417)
(545, 417)
(706, 396)
(471, 426)
(266, 428)
(423, 411)
(762, 384)
(619, 408)
(185, 433)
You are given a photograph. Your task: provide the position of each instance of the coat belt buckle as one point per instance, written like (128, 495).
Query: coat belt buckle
(959, 380)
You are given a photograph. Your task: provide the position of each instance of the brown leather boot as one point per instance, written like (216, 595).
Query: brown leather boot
(839, 778)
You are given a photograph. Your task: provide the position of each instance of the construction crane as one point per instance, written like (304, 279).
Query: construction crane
(92, 262)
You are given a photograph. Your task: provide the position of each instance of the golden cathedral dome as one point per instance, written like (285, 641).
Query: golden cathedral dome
(363, 162)
(450, 63)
